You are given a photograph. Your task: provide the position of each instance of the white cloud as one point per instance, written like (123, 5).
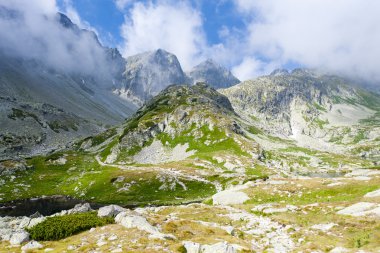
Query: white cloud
(122, 4)
(33, 31)
(251, 67)
(173, 26)
(340, 35)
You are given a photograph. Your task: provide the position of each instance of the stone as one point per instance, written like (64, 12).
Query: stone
(373, 194)
(358, 209)
(192, 247)
(19, 238)
(112, 238)
(129, 220)
(324, 227)
(32, 245)
(229, 197)
(80, 208)
(110, 211)
(339, 250)
(221, 247)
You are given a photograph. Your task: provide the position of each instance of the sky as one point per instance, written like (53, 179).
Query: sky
(249, 37)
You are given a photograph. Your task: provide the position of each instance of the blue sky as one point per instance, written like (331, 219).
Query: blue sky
(107, 19)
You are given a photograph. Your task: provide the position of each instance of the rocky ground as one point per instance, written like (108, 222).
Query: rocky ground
(340, 214)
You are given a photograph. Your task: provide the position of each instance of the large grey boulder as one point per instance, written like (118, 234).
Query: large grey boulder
(229, 197)
(110, 211)
(134, 220)
(80, 208)
(19, 238)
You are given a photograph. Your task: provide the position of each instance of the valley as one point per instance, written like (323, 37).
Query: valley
(105, 153)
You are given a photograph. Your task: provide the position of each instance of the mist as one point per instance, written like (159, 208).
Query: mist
(31, 30)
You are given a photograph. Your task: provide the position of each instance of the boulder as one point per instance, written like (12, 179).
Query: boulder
(339, 250)
(110, 211)
(130, 220)
(5, 234)
(362, 209)
(324, 227)
(229, 197)
(19, 238)
(220, 247)
(192, 247)
(373, 194)
(32, 245)
(80, 208)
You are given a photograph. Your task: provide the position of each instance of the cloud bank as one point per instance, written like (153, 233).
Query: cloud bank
(340, 35)
(173, 26)
(31, 30)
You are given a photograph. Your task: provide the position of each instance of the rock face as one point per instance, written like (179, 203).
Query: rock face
(318, 110)
(146, 74)
(213, 74)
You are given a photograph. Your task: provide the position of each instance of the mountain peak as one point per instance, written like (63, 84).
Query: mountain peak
(213, 74)
(278, 72)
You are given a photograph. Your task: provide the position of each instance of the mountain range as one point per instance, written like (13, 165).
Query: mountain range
(100, 99)
(179, 161)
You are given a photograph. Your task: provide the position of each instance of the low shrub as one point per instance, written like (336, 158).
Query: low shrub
(59, 227)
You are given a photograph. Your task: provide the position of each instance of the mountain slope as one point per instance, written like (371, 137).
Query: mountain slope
(213, 74)
(316, 110)
(85, 96)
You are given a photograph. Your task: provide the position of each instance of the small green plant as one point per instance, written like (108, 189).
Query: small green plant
(59, 227)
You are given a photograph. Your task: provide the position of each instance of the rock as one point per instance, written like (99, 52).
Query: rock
(80, 208)
(36, 215)
(129, 220)
(32, 245)
(362, 209)
(101, 243)
(19, 238)
(229, 198)
(112, 238)
(269, 208)
(339, 250)
(221, 247)
(192, 247)
(110, 211)
(373, 194)
(324, 227)
(71, 247)
(287, 208)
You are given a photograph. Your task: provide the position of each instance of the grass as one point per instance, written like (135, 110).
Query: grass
(82, 177)
(60, 227)
(313, 193)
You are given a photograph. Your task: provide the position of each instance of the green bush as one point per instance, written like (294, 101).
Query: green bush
(59, 227)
